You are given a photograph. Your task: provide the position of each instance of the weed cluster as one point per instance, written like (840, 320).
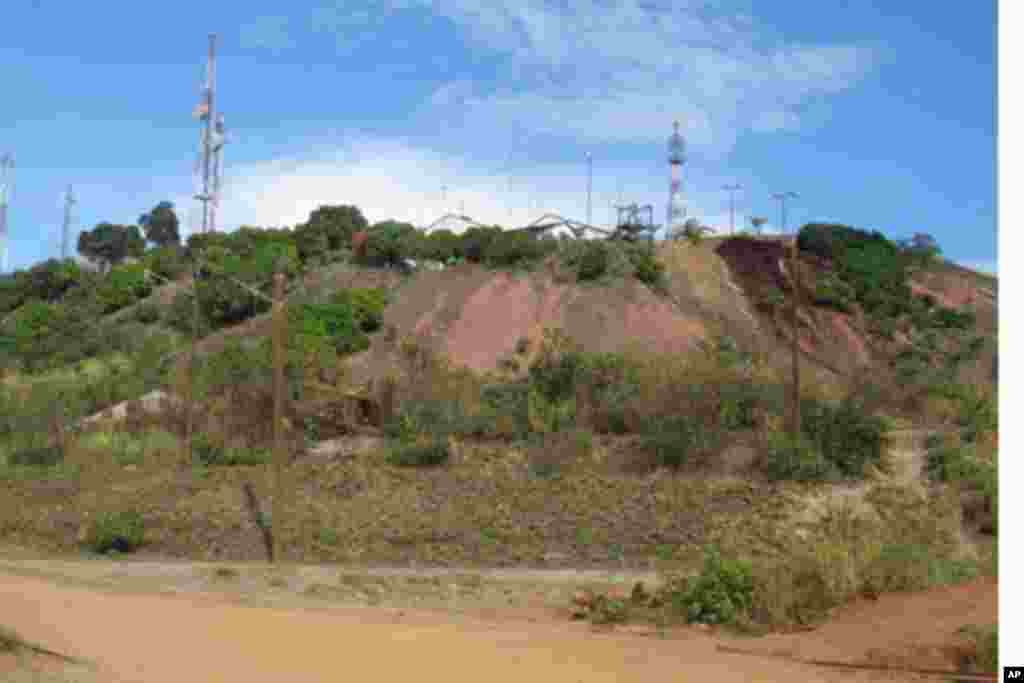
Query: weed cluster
(121, 531)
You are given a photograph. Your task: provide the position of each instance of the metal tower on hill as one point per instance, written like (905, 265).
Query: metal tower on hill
(6, 190)
(676, 158)
(210, 162)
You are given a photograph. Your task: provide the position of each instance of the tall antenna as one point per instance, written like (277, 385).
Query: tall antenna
(6, 190)
(69, 202)
(212, 143)
(676, 158)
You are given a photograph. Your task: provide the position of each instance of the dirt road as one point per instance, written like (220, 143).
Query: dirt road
(199, 636)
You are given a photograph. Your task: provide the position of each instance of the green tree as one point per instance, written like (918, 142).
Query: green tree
(338, 223)
(161, 225)
(111, 244)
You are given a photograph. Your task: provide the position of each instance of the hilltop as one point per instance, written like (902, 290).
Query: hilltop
(510, 400)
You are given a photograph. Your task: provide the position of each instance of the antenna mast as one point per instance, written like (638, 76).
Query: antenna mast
(69, 201)
(676, 158)
(6, 190)
(212, 141)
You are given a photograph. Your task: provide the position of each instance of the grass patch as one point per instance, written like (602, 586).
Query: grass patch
(430, 454)
(981, 654)
(10, 641)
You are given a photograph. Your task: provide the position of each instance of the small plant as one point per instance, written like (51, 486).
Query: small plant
(545, 470)
(609, 610)
(982, 652)
(665, 552)
(116, 531)
(225, 573)
(721, 594)
(584, 536)
(430, 454)
(328, 536)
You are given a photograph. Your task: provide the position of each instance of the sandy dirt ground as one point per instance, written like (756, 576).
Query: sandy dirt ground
(179, 622)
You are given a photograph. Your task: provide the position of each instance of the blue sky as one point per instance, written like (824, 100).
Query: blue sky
(880, 115)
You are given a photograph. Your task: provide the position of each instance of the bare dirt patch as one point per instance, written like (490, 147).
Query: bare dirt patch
(268, 636)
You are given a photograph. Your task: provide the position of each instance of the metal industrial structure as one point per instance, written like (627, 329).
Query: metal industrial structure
(676, 212)
(65, 233)
(210, 162)
(631, 224)
(6, 191)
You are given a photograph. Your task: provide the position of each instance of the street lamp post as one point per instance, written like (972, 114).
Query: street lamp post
(781, 197)
(590, 182)
(732, 205)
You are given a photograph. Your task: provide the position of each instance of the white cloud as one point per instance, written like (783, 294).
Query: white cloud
(623, 72)
(597, 70)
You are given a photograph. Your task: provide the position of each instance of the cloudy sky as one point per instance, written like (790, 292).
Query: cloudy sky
(879, 114)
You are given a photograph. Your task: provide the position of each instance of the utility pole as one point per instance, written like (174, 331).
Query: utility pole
(590, 182)
(732, 205)
(781, 197)
(6, 190)
(69, 202)
(279, 322)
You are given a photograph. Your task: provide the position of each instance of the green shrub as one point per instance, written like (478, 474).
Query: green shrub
(721, 594)
(147, 313)
(771, 299)
(798, 461)
(648, 269)
(168, 262)
(123, 286)
(42, 456)
(367, 305)
(122, 531)
(680, 439)
(511, 248)
(846, 434)
(475, 242)
(950, 319)
(834, 293)
(208, 453)
(419, 455)
(903, 566)
(181, 316)
(593, 262)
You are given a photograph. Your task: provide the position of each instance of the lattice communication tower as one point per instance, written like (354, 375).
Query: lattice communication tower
(211, 139)
(676, 212)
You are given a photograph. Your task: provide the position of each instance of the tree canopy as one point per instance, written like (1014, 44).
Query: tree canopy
(111, 244)
(161, 225)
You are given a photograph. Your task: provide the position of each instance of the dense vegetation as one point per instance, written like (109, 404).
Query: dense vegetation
(53, 313)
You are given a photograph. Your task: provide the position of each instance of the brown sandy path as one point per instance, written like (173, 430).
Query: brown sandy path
(157, 638)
